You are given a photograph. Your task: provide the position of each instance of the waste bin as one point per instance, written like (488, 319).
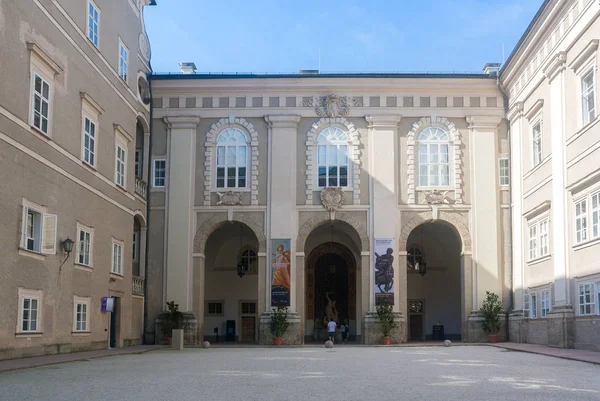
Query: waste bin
(438, 332)
(230, 330)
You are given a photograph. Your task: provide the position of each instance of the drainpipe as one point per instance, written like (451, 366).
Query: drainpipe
(511, 293)
(148, 178)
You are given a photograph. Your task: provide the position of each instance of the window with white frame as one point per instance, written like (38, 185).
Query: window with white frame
(41, 103)
(138, 160)
(232, 159)
(80, 314)
(533, 247)
(93, 24)
(89, 141)
(123, 61)
(537, 143)
(117, 258)
(526, 307)
(581, 221)
(533, 305)
(121, 162)
(85, 237)
(504, 170)
(595, 211)
(545, 297)
(38, 231)
(538, 238)
(30, 311)
(588, 97)
(333, 161)
(587, 301)
(434, 157)
(544, 248)
(159, 173)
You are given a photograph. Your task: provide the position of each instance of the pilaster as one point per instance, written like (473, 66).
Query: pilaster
(180, 219)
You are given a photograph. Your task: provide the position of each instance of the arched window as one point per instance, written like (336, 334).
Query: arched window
(232, 159)
(333, 168)
(434, 157)
(248, 260)
(413, 256)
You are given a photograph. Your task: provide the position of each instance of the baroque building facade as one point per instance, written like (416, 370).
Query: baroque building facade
(74, 151)
(552, 84)
(326, 193)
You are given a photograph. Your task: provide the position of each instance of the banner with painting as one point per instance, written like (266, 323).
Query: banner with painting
(280, 272)
(384, 270)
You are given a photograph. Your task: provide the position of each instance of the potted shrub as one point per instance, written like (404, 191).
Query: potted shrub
(385, 312)
(172, 320)
(279, 324)
(491, 310)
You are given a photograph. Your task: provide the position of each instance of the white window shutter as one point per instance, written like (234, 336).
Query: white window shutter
(49, 234)
(24, 227)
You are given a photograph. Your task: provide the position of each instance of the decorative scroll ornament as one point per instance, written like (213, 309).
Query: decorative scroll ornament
(144, 46)
(437, 197)
(332, 106)
(332, 198)
(229, 198)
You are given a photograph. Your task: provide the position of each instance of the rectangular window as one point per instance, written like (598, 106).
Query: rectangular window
(526, 308)
(504, 172)
(248, 308)
(30, 314)
(543, 238)
(81, 322)
(123, 61)
(533, 305)
(117, 258)
(120, 168)
(159, 173)
(537, 144)
(231, 166)
(545, 303)
(214, 308)
(581, 221)
(135, 246)
(93, 23)
(138, 160)
(596, 215)
(84, 247)
(587, 303)
(532, 242)
(41, 103)
(588, 97)
(89, 141)
(38, 230)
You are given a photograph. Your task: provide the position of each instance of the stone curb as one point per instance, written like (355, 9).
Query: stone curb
(569, 358)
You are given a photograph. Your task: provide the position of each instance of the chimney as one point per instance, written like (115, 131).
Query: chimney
(308, 72)
(187, 68)
(491, 69)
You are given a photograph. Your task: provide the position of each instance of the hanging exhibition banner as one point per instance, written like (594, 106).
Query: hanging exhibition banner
(384, 270)
(280, 272)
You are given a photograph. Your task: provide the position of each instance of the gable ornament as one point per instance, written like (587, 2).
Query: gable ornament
(332, 199)
(332, 106)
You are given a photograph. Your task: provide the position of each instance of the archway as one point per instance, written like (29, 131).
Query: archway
(434, 284)
(332, 282)
(231, 284)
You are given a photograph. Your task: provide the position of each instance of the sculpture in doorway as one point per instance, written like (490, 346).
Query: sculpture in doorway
(331, 311)
(384, 270)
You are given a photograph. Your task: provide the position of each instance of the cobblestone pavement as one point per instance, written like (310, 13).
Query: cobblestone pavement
(343, 373)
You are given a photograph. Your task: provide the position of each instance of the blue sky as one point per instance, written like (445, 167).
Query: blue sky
(375, 35)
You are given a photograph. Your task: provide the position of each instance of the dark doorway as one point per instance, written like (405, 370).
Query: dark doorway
(114, 324)
(331, 288)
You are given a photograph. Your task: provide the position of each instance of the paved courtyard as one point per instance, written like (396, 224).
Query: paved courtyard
(343, 373)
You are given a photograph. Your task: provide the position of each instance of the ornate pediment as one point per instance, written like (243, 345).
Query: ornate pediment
(332, 198)
(332, 106)
(437, 197)
(229, 198)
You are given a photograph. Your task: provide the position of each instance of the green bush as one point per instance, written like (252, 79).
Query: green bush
(279, 321)
(491, 310)
(385, 312)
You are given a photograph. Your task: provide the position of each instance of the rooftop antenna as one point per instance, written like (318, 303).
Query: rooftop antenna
(319, 59)
(502, 53)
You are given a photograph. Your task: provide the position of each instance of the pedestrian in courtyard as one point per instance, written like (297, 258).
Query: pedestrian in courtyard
(331, 329)
(343, 329)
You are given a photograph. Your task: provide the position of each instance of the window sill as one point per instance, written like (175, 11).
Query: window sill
(436, 188)
(504, 187)
(83, 267)
(41, 134)
(592, 316)
(31, 254)
(586, 244)
(116, 275)
(81, 333)
(539, 260)
(345, 189)
(157, 189)
(537, 167)
(120, 187)
(89, 166)
(31, 335)
(229, 189)
(582, 130)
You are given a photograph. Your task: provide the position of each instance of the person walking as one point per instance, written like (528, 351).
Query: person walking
(331, 329)
(345, 332)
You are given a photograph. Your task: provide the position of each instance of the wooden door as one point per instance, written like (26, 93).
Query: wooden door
(248, 328)
(416, 327)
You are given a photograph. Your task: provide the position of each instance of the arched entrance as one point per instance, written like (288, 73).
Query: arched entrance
(332, 284)
(231, 284)
(434, 283)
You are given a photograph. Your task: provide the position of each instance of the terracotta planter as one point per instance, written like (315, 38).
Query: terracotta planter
(169, 340)
(387, 340)
(493, 338)
(277, 341)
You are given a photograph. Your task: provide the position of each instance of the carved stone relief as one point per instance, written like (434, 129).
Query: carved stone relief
(332, 199)
(332, 106)
(229, 198)
(437, 197)
(207, 223)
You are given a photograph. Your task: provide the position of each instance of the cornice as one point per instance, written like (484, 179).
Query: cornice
(383, 120)
(91, 102)
(34, 48)
(537, 106)
(555, 66)
(483, 122)
(584, 55)
(515, 112)
(182, 121)
(537, 210)
(122, 131)
(283, 120)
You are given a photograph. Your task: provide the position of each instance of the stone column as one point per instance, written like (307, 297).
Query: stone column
(383, 197)
(198, 294)
(561, 318)
(180, 217)
(142, 252)
(281, 213)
